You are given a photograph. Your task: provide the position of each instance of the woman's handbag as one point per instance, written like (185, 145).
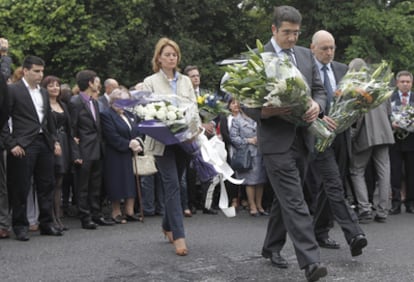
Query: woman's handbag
(241, 159)
(145, 164)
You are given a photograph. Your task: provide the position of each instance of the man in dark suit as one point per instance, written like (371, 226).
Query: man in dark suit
(402, 152)
(87, 153)
(330, 197)
(4, 206)
(31, 144)
(285, 148)
(103, 101)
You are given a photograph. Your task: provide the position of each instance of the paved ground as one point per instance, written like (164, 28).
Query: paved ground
(221, 249)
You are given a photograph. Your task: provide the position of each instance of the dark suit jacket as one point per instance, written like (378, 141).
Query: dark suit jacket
(25, 122)
(277, 135)
(406, 144)
(86, 129)
(4, 109)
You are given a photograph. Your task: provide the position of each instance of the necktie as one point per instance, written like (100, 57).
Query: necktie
(289, 54)
(328, 88)
(92, 107)
(404, 100)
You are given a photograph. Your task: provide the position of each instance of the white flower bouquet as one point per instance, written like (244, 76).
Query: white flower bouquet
(403, 117)
(266, 80)
(356, 94)
(168, 118)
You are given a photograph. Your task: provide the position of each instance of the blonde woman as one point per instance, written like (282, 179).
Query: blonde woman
(167, 80)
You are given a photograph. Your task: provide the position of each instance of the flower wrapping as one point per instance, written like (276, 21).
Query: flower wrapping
(169, 118)
(356, 94)
(266, 80)
(403, 116)
(210, 106)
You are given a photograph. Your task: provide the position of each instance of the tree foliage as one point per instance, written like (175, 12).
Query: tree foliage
(117, 38)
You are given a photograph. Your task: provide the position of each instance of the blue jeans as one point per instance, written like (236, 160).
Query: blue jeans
(171, 168)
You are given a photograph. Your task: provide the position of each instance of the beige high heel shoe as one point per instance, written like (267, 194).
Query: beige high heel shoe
(180, 247)
(168, 235)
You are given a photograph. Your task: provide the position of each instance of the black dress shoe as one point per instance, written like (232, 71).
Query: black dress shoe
(209, 211)
(133, 217)
(409, 208)
(50, 230)
(314, 271)
(328, 243)
(89, 225)
(22, 236)
(276, 259)
(264, 213)
(103, 221)
(395, 210)
(357, 244)
(380, 219)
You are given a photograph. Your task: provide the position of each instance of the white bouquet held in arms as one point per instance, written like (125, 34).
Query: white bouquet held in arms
(269, 81)
(403, 117)
(168, 118)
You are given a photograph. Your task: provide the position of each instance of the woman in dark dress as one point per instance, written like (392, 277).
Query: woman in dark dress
(121, 138)
(62, 162)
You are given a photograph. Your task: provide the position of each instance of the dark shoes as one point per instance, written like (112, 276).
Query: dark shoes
(409, 208)
(50, 230)
(103, 221)
(357, 244)
(89, 225)
(276, 259)
(380, 219)
(396, 209)
(22, 235)
(328, 244)
(264, 213)
(314, 271)
(119, 219)
(365, 217)
(133, 217)
(209, 211)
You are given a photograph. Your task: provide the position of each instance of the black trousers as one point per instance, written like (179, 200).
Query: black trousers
(88, 186)
(36, 164)
(331, 200)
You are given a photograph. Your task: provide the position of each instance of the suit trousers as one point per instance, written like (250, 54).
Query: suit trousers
(38, 163)
(380, 157)
(4, 199)
(88, 186)
(331, 200)
(402, 168)
(289, 212)
(171, 167)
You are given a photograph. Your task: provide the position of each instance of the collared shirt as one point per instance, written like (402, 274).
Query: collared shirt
(173, 82)
(331, 75)
(37, 99)
(88, 99)
(280, 52)
(401, 96)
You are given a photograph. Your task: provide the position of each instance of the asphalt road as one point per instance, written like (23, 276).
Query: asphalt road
(220, 249)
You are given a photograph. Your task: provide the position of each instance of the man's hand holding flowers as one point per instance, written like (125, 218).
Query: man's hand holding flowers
(312, 113)
(273, 84)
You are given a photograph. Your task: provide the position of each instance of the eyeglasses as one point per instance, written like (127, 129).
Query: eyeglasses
(288, 32)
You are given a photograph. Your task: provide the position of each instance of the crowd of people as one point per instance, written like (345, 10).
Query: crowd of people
(68, 152)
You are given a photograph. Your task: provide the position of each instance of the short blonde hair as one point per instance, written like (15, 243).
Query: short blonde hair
(161, 44)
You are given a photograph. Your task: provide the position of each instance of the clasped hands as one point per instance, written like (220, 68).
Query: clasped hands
(135, 146)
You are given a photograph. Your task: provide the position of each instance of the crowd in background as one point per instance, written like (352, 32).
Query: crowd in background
(68, 153)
